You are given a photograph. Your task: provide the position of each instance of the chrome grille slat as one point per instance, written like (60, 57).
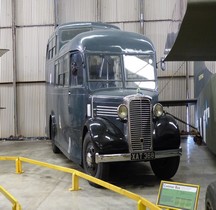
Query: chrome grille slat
(108, 111)
(140, 125)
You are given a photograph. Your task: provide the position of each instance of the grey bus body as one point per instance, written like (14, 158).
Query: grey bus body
(101, 102)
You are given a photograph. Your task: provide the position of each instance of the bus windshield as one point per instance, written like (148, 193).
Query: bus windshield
(106, 70)
(139, 71)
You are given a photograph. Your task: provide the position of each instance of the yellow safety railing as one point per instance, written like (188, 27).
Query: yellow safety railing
(142, 203)
(15, 203)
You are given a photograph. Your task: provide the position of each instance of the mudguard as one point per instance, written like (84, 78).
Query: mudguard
(166, 133)
(108, 139)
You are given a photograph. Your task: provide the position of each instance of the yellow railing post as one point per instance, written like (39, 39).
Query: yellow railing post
(141, 206)
(15, 203)
(16, 206)
(18, 166)
(75, 182)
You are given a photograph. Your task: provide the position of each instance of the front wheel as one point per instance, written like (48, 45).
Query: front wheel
(100, 170)
(165, 168)
(210, 200)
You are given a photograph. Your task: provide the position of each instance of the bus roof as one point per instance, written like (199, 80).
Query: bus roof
(114, 41)
(86, 24)
(68, 31)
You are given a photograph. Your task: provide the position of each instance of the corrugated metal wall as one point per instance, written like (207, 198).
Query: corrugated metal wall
(34, 24)
(6, 71)
(22, 86)
(25, 26)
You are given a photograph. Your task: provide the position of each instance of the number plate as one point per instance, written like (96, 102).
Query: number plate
(143, 156)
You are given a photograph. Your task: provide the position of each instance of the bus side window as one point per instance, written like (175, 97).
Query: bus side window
(51, 48)
(47, 52)
(56, 74)
(66, 70)
(60, 73)
(76, 69)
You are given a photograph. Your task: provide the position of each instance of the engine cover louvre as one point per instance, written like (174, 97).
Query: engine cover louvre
(108, 111)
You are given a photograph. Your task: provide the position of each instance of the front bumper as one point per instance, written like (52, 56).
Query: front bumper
(129, 156)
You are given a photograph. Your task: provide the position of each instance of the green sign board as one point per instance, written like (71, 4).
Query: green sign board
(173, 195)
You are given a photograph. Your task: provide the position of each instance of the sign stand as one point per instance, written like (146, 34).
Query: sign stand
(178, 196)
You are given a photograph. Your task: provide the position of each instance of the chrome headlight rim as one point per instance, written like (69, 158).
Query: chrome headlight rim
(158, 110)
(122, 111)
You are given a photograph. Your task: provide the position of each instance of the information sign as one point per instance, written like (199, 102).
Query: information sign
(173, 195)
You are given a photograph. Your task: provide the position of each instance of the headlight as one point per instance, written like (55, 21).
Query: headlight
(122, 111)
(158, 110)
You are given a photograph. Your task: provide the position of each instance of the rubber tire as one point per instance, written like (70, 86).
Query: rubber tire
(101, 170)
(165, 168)
(210, 198)
(55, 149)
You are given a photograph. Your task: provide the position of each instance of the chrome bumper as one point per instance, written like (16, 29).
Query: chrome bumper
(127, 156)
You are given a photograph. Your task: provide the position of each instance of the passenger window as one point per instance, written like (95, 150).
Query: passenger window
(61, 79)
(47, 52)
(60, 74)
(56, 74)
(66, 70)
(51, 49)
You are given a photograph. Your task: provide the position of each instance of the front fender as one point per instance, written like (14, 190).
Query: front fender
(166, 134)
(108, 139)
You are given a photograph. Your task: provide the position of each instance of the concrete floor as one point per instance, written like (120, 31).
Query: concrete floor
(40, 188)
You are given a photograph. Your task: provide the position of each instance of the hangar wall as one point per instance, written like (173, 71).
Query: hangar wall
(25, 26)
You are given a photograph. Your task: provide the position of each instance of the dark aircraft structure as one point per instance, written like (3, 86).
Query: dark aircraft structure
(196, 41)
(3, 51)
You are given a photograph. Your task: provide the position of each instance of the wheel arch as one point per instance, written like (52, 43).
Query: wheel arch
(52, 125)
(106, 136)
(167, 134)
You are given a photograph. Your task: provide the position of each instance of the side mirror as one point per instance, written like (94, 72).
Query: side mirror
(76, 63)
(162, 64)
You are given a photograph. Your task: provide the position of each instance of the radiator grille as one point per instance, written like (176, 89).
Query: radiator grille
(140, 125)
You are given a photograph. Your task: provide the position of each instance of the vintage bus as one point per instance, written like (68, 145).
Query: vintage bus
(102, 100)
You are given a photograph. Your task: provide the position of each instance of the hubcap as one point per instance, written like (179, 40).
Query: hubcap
(91, 166)
(89, 159)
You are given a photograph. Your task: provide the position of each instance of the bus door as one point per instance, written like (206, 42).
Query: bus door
(76, 105)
